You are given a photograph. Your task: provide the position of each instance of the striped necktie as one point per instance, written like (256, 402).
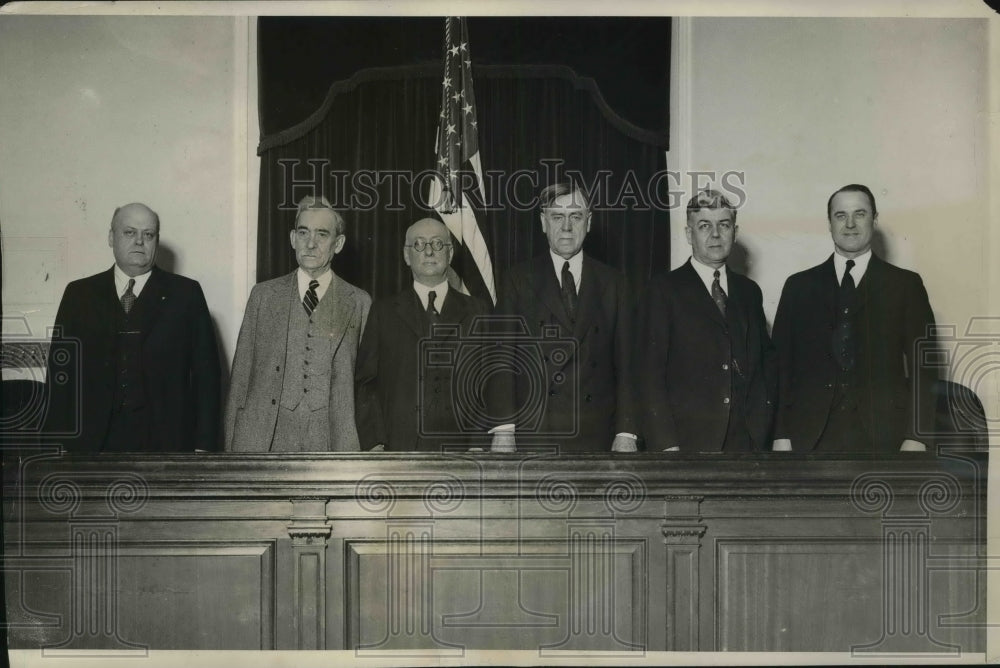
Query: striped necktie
(310, 300)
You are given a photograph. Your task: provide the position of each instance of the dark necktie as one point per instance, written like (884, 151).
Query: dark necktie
(432, 312)
(844, 343)
(310, 300)
(718, 294)
(568, 291)
(128, 297)
(847, 285)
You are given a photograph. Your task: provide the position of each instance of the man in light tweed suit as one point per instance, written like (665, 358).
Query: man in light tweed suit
(292, 386)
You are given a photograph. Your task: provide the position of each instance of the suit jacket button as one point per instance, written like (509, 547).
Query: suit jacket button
(277, 368)
(589, 397)
(725, 367)
(552, 393)
(726, 400)
(273, 402)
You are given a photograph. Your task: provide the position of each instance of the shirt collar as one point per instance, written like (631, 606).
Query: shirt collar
(122, 279)
(707, 275)
(859, 269)
(323, 279)
(440, 292)
(575, 267)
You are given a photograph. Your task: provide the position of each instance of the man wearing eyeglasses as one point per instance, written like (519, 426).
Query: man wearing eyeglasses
(142, 341)
(581, 315)
(292, 385)
(708, 376)
(404, 398)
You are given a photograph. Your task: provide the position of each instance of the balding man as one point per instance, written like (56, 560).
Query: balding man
(142, 341)
(404, 398)
(292, 386)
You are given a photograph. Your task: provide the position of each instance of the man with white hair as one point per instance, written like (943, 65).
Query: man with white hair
(292, 385)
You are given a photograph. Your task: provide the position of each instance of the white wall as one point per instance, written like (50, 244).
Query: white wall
(101, 111)
(98, 111)
(803, 106)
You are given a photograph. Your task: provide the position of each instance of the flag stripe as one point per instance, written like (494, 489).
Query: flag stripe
(457, 148)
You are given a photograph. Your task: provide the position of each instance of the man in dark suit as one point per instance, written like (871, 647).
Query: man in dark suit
(846, 333)
(567, 296)
(292, 385)
(404, 397)
(142, 341)
(708, 374)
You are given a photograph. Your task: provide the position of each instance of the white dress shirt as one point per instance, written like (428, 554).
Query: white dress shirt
(122, 279)
(440, 292)
(575, 268)
(707, 275)
(859, 269)
(323, 279)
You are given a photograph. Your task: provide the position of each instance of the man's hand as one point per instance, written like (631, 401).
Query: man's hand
(379, 447)
(782, 445)
(675, 448)
(503, 441)
(909, 445)
(623, 443)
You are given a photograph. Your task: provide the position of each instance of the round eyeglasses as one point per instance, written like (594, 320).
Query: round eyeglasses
(421, 244)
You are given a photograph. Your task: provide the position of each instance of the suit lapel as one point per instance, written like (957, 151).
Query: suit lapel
(736, 307)
(108, 309)
(285, 297)
(454, 307)
(826, 290)
(337, 315)
(407, 305)
(588, 302)
(868, 283)
(695, 293)
(546, 286)
(151, 302)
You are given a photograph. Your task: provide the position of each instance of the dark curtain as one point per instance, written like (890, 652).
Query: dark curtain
(627, 57)
(384, 120)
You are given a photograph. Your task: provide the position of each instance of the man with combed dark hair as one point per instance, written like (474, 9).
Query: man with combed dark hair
(846, 333)
(143, 343)
(567, 295)
(404, 399)
(292, 386)
(707, 380)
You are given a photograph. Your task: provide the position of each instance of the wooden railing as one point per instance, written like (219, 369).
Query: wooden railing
(443, 553)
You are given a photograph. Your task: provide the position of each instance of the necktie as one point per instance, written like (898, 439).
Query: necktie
(310, 300)
(432, 312)
(847, 285)
(128, 297)
(568, 291)
(845, 327)
(718, 294)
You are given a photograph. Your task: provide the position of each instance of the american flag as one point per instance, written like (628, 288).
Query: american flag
(457, 150)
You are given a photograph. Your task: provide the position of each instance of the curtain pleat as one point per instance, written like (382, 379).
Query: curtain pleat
(384, 125)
